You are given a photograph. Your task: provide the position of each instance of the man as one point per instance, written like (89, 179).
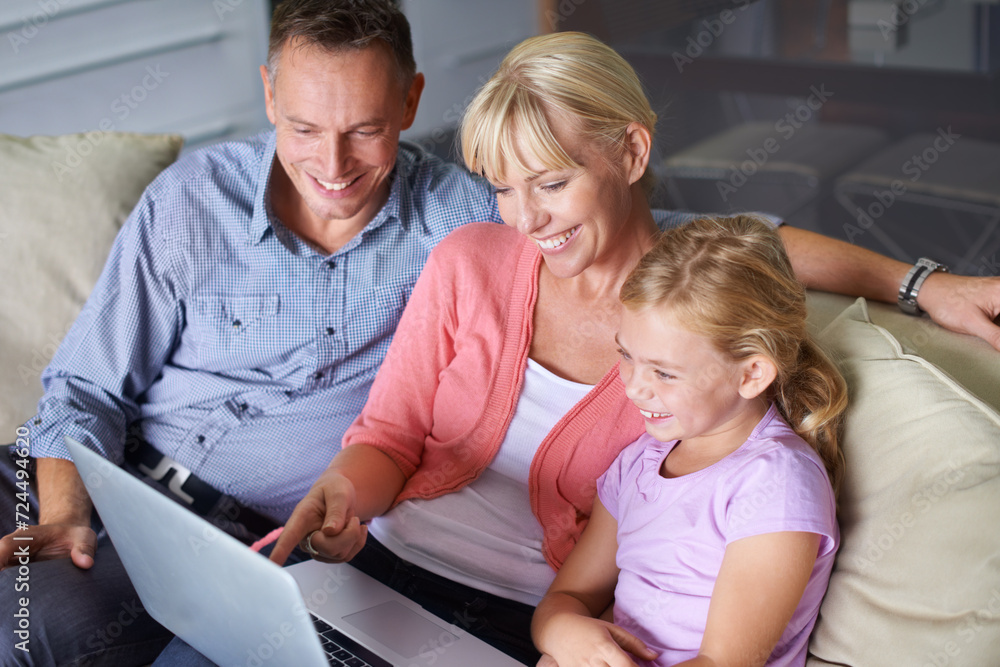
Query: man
(240, 319)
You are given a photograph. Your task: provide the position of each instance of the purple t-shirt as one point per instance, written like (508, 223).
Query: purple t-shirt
(672, 533)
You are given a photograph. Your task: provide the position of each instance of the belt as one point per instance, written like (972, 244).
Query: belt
(198, 495)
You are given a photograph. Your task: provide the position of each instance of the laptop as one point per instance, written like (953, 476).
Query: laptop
(236, 607)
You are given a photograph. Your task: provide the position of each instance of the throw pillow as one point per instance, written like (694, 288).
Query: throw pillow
(62, 200)
(917, 580)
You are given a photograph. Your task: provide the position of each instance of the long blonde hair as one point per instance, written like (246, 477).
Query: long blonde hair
(729, 279)
(565, 73)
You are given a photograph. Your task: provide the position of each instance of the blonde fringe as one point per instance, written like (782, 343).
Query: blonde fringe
(566, 77)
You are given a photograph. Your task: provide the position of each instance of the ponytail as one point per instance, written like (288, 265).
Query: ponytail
(812, 400)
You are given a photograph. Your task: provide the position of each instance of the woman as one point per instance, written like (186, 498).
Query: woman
(499, 402)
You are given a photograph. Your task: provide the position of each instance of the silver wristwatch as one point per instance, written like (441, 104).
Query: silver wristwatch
(916, 276)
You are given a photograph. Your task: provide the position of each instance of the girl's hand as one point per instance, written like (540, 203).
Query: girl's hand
(565, 628)
(591, 642)
(759, 586)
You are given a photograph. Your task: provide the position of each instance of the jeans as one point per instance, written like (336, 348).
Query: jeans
(502, 623)
(74, 617)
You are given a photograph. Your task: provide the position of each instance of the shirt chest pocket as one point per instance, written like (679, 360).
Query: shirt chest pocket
(221, 322)
(373, 319)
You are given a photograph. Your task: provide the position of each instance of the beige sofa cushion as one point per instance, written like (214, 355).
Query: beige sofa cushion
(968, 359)
(917, 580)
(62, 200)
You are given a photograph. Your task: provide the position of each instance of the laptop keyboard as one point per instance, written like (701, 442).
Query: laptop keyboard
(343, 651)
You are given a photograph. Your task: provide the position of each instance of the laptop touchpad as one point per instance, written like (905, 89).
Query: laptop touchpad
(402, 630)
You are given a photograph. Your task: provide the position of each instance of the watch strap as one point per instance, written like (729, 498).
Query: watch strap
(911, 284)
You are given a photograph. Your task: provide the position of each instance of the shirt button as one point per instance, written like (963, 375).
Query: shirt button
(330, 264)
(200, 439)
(330, 331)
(319, 375)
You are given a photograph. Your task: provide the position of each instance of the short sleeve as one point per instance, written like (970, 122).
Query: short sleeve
(624, 469)
(781, 489)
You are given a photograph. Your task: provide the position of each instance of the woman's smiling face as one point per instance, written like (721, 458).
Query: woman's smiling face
(576, 216)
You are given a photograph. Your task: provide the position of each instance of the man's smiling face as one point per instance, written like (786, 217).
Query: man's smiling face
(338, 116)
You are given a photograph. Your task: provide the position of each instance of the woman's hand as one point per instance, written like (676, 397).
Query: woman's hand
(964, 304)
(324, 523)
(361, 483)
(591, 642)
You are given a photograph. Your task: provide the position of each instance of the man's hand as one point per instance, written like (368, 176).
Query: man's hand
(324, 520)
(63, 529)
(49, 542)
(964, 304)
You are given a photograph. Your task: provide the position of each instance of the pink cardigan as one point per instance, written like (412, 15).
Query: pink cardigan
(450, 382)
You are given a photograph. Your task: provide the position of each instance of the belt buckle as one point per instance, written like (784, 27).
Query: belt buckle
(162, 469)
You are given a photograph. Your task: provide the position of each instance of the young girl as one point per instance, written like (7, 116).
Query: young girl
(724, 515)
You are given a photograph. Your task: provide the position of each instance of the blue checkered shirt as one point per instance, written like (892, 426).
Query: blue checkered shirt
(243, 353)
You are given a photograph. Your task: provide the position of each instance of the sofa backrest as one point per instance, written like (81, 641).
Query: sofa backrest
(62, 201)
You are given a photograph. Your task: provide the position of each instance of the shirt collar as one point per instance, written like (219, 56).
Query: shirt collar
(260, 222)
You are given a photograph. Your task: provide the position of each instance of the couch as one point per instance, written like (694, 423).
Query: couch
(917, 579)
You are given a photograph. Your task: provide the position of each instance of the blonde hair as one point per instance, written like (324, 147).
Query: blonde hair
(567, 73)
(729, 279)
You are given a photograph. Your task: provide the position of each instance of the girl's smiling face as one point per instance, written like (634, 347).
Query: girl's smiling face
(684, 387)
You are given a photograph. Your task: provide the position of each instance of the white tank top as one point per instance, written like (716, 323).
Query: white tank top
(485, 535)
